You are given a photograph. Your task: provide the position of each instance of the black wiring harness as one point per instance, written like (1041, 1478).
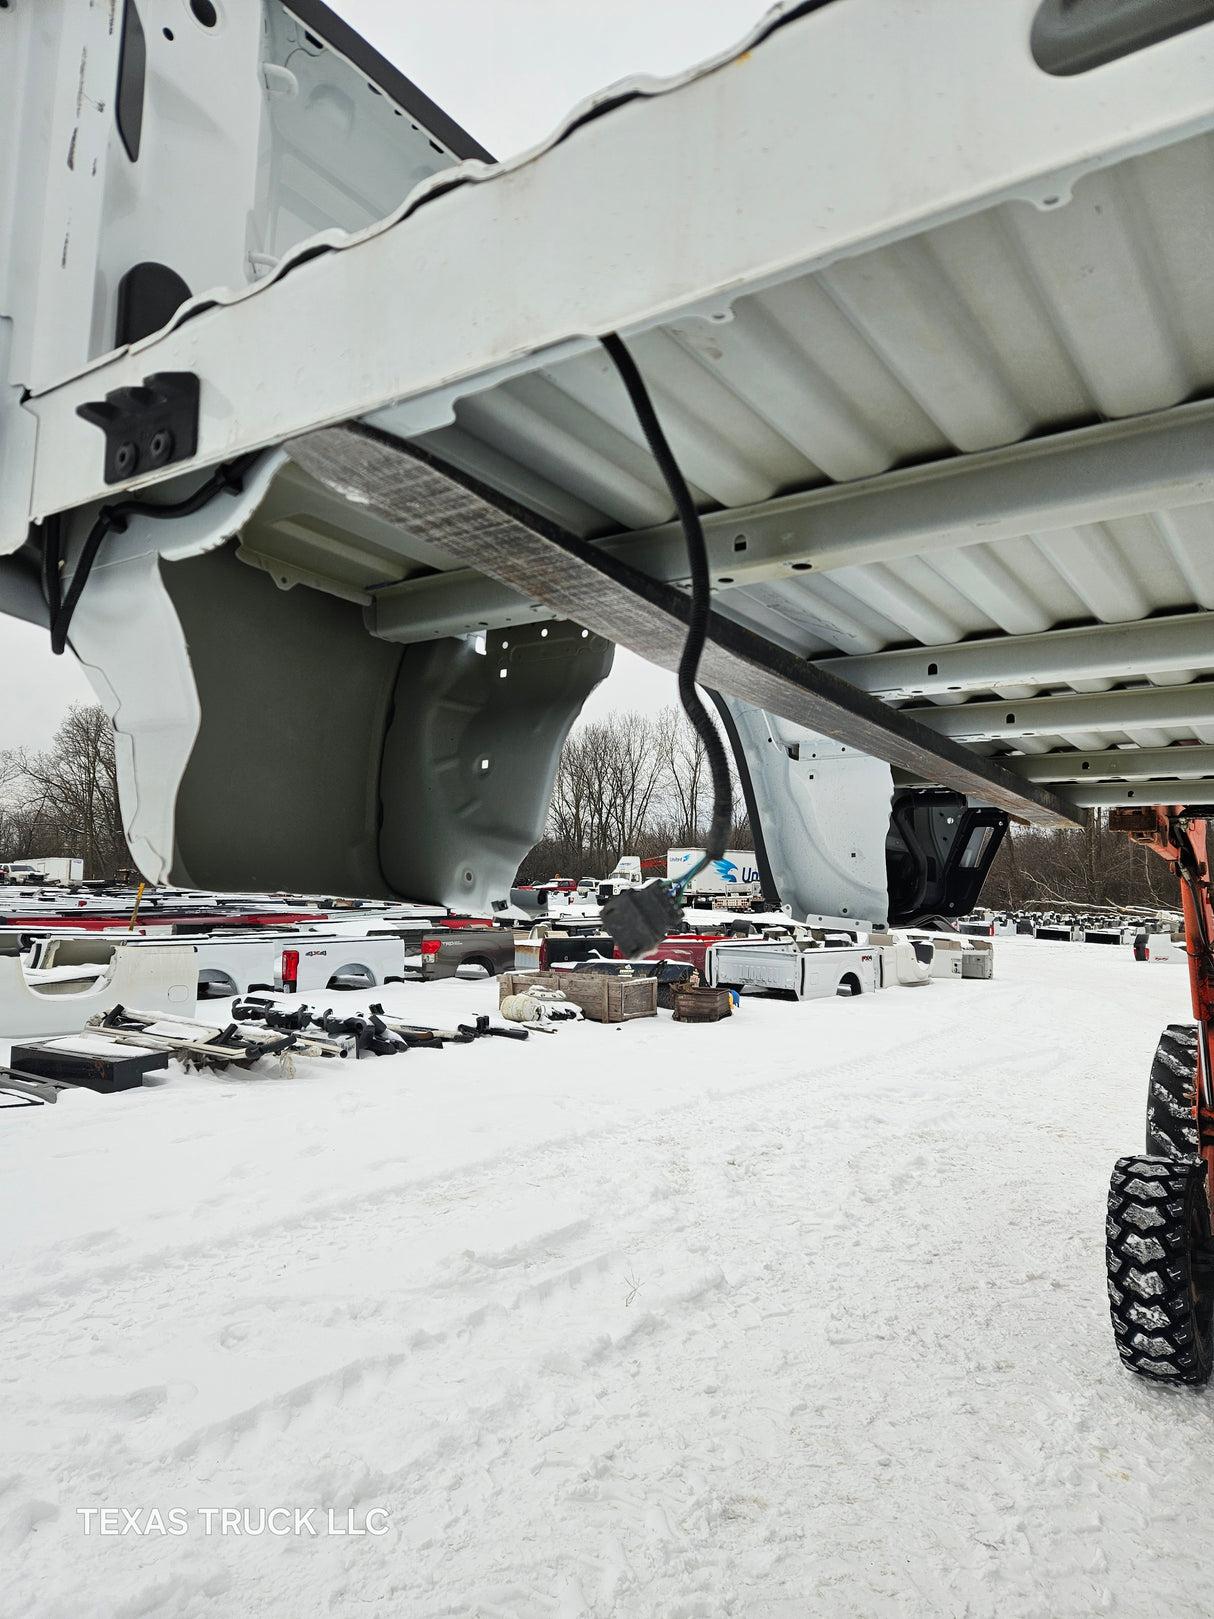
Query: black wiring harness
(701, 590)
(637, 920)
(61, 604)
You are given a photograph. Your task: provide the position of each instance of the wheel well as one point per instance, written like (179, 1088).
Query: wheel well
(350, 968)
(480, 961)
(849, 984)
(215, 984)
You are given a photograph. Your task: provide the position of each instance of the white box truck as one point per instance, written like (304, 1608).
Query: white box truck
(46, 869)
(736, 873)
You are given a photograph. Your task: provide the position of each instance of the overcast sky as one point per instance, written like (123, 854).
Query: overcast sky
(508, 70)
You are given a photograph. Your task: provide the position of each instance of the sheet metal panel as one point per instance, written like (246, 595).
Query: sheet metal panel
(1005, 326)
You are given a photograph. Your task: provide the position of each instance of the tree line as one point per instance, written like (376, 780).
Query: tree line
(63, 800)
(627, 784)
(1094, 866)
(638, 784)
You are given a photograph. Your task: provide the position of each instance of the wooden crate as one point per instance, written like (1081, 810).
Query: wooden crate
(603, 997)
(702, 1005)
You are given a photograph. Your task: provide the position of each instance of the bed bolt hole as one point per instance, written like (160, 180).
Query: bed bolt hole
(1010, 720)
(167, 32)
(801, 567)
(484, 764)
(933, 669)
(161, 447)
(739, 543)
(204, 12)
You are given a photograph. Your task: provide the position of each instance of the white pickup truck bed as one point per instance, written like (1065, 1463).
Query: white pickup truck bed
(233, 963)
(808, 972)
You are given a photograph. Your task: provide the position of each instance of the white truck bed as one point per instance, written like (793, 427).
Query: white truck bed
(810, 972)
(924, 304)
(233, 963)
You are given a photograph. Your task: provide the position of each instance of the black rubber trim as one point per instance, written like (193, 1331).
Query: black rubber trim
(602, 108)
(149, 295)
(793, 15)
(132, 72)
(1075, 36)
(333, 30)
(767, 881)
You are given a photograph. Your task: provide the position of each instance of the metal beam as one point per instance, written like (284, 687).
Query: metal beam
(482, 529)
(1089, 475)
(1116, 469)
(1009, 718)
(1185, 762)
(1110, 794)
(1054, 657)
(457, 603)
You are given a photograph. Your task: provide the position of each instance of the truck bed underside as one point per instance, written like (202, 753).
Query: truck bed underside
(945, 405)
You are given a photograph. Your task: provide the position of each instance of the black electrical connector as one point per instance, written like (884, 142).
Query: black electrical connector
(637, 918)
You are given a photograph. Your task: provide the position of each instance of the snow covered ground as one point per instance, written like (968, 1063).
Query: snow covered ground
(798, 1315)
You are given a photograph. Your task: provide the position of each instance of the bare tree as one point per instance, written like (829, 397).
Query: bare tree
(609, 774)
(636, 785)
(64, 800)
(687, 777)
(1093, 866)
(629, 784)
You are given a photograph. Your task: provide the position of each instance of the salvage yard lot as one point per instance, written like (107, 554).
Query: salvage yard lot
(800, 1314)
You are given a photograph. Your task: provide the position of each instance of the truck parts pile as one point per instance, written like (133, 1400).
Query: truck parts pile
(78, 986)
(1099, 926)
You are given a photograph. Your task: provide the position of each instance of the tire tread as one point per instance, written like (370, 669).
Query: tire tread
(1172, 1094)
(1155, 1321)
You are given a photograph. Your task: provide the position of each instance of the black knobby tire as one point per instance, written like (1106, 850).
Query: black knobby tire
(1161, 1281)
(1172, 1094)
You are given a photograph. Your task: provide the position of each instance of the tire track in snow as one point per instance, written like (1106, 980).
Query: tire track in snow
(866, 1370)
